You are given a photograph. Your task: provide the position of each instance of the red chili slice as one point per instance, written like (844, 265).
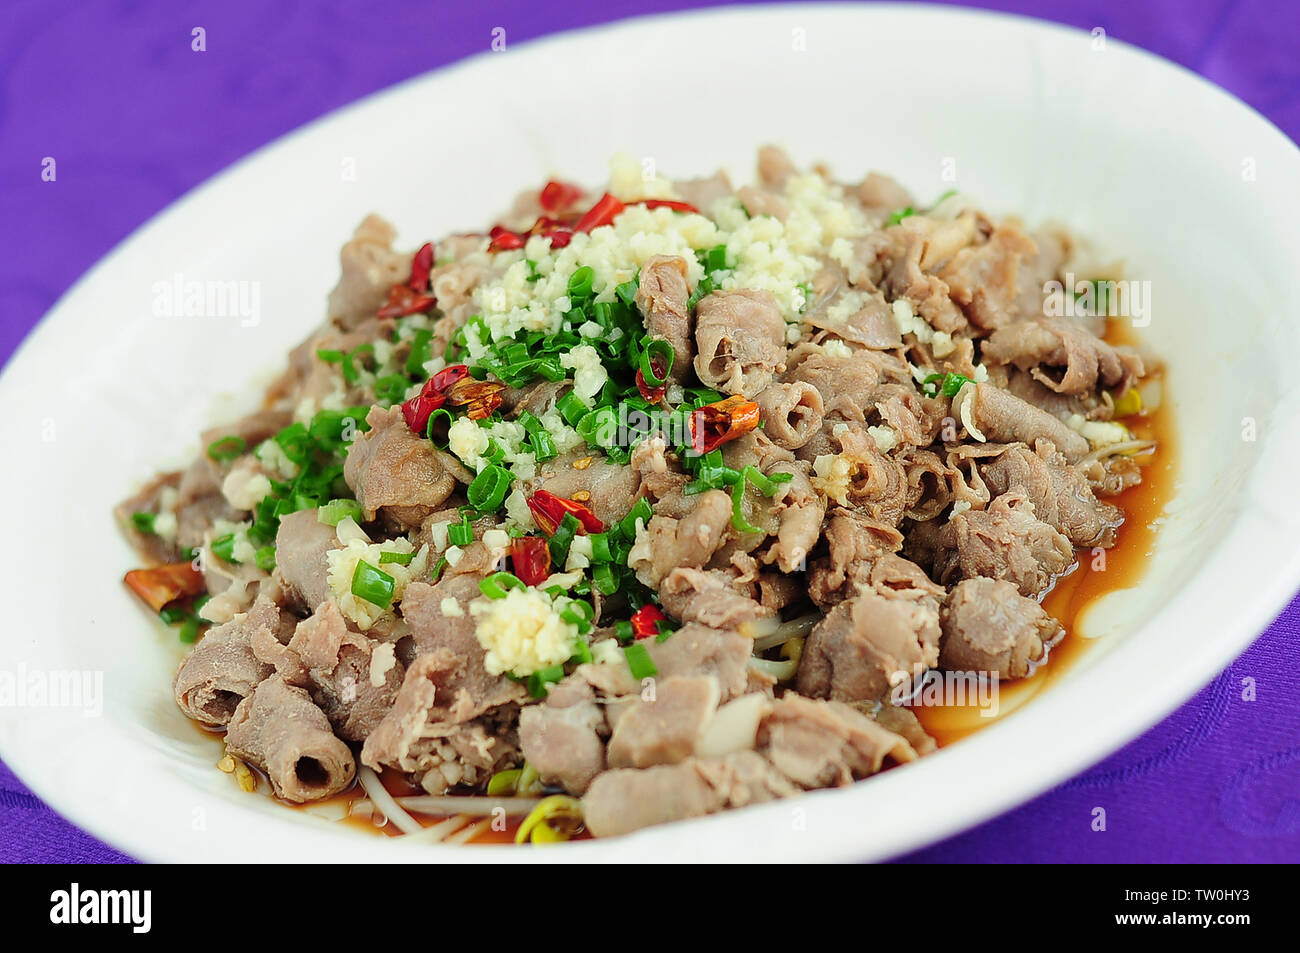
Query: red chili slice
(602, 213)
(645, 621)
(403, 301)
(668, 203)
(549, 510)
(502, 239)
(162, 585)
(652, 394)
(421, 265)
(557, 196)
(532, 559)
(432, 395)
(715, 424)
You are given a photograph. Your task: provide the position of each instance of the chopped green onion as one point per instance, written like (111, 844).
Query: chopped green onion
(580, 282)
(420, 353)
(336, 511)
(350, 372)
(623, 631)
(562, 539)
(224, 547)
(641, 511)
(715, 259)
(266, 558)
(143, 522)
(462, 533)
(488, 490)
(543, 446)
(579, 613)
(639, 661)
(373, 585)
(227, 448)
(539, 682)
(402, 559)
(329, 355)
(767, 485)
(898, 216)
(438, 567)
(626, 292)
(606, 579)
(171, 615)
(296, 442)
(189, 630)
(600, 551)
(498, 584)
(738, 520)
(947, 384)
(661, 352)
(571, 408)
(581, 651)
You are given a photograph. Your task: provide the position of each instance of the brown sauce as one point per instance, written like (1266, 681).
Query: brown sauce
(1125, 564)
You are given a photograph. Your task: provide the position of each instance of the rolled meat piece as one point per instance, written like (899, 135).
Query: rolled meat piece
(223, 670)
(1001, 417)
(279, 729)
(791, 413)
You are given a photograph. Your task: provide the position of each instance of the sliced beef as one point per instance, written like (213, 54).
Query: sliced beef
(710, 598)
(1060, 494)
(704, 193)
(854, 653)
(690, 542)
(279, 729)
(1006, 541)
(612, 487)
(1004, 418)
(301, 543)
(661, 298)
(740, 341)
(791, 413)
(353, 679)
(664, 727)
(854, 545)
(883, 195)
(393, 471)
(758, 201)
(223, 670)
(985, 279)
(151, 546)
(820, 744)
(369, 267)
(1064, 356)
(988, 626)
(561, 738)
(870, 323)
(799, 511)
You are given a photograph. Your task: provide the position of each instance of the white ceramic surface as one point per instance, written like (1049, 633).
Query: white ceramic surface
(1130, 150)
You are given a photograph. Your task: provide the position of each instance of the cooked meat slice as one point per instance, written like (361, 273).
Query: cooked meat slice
(664, 727)
(855, 544)
(393, 471)
(881, 194)
(859, 318)
(628, 799)
(740, 341)
(279, 729)
(300, 547)
(1004, 418)
(799, 511)
(903, 721)
(988, 626)
(1006, 541)
(710, 598)
(1063, 356)
(353, 679)
(758, 201)
(856, 652)
(149, 545)
(368, 269)
(704, 193)
(222, 670)
(561, 738)
(613, 487)
(689, 542)
(661, 298)
(791, 413)
(985, 279)
(820, 744)
(1060, 494)
(774, 166)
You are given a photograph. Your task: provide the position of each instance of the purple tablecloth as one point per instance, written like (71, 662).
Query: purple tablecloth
(134, 119)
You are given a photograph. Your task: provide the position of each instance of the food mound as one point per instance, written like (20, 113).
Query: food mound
(644, 504)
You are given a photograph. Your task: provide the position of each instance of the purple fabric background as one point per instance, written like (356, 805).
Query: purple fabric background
(134, 118)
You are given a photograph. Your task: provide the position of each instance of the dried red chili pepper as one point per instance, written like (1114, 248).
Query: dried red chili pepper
(645, 621)
(480, 398)
(715, 424)
(553, 229)
(652, 394)
(432, 395)
(532, 559)
(503, 239)
(162, 585)
(602, 213)
(549, 510)
(557, 196)
(412, 297)
(668, 203)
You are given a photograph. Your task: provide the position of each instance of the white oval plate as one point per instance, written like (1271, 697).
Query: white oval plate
(1191, 187)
